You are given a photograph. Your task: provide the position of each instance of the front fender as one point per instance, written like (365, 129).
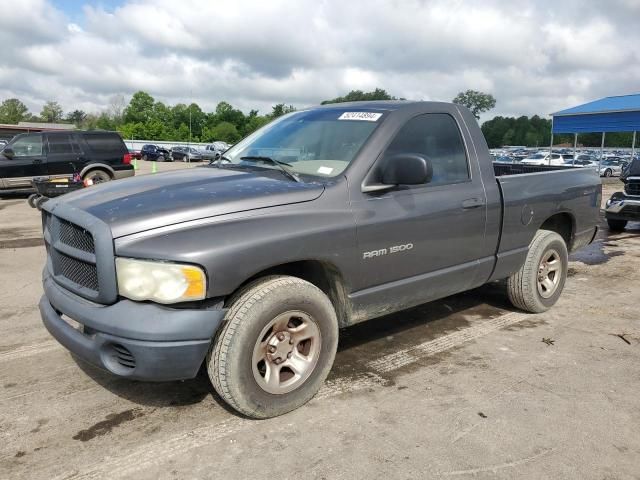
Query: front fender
(233, 248)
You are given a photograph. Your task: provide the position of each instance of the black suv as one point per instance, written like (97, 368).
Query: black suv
(100, 156)
(624, 207)
(155, 153)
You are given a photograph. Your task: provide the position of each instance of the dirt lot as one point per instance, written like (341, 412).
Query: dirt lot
(464, 387)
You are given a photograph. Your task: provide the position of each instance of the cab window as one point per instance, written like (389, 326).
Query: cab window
(436, 137)
(28, 146)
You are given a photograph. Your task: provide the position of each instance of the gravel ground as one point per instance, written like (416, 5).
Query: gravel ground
(461, 388)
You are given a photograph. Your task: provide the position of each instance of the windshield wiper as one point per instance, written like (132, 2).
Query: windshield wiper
(281, 165)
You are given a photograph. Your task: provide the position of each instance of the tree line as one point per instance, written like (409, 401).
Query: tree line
(144, 117)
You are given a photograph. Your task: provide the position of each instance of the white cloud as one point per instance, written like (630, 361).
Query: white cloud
(533, 56)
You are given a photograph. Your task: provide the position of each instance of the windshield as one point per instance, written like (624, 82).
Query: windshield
(319, 142)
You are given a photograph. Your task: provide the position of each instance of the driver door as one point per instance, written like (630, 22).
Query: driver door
(28, 161)
(425, 241)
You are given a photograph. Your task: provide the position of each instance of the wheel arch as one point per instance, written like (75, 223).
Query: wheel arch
(98, 166)
(564, 224)
(324, 275)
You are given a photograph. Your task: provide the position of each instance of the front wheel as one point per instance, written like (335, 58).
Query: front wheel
(538, 284)
(275, 348)
(608, 172)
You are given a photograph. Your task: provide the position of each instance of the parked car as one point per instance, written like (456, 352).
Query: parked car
(624, 206)
(96, 155)
(218, 148)
(503, 159)
(155, 153)
(612, 167)
(255, 264)
(582, 163)
(135, 154)
(543, 159)
(186, 154)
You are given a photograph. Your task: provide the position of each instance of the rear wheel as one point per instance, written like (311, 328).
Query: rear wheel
(97, 176)
(144, 157)
(616, 225)
(538, 284)
(608, 172)
(185, 159)
(276, 347)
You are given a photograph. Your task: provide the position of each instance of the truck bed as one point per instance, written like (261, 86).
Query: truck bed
(531, 198)
(502, 169)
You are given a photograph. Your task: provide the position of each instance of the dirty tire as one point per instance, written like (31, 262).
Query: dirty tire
(229, 362)
(616, 225)
(98, 176)
(522, 286)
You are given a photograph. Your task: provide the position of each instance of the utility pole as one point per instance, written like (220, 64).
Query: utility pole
(190, 103)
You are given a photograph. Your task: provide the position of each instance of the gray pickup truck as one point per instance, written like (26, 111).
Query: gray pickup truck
(324, 218)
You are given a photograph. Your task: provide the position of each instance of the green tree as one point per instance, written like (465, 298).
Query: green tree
(133, 131)
(225, 131)
(105, 122)
(140, 108)
(280, 109)
(226, 113)
(77, 117)
(359, 95)
(13, 111)
(254, 122)
(51, 112)
(155, 130)
(477, 102)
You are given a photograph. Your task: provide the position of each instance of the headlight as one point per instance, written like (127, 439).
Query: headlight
(160, 282)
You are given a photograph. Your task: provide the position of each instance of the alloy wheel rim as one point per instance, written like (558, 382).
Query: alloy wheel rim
(549, 273)
(286, 352)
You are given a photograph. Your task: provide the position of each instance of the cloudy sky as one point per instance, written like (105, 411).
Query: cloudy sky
(533, 56)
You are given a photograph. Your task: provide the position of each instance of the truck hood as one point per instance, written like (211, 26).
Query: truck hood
(137, 204)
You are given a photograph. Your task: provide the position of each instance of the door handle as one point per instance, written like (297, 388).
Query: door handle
(473, 203)
(37, 161)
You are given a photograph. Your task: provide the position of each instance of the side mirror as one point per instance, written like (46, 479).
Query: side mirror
(8, 152)
(407, 169)
(402, 169)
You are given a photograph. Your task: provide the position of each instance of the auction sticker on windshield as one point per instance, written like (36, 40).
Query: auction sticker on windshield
(366, 116)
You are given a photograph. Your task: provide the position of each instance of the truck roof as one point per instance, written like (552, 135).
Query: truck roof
(390, 105)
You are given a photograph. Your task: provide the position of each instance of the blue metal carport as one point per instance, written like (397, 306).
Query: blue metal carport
(609, 114)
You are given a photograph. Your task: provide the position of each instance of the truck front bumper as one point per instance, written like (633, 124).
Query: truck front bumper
(623, 207)
(142, 341)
